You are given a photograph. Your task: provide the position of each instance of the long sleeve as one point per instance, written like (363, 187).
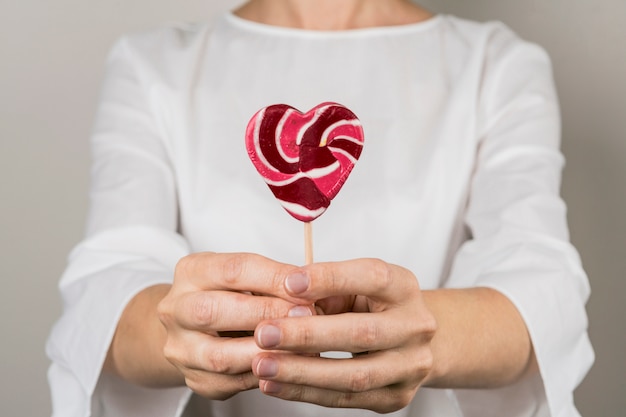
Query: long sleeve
(519, 242)
(131, 244)
(462, 127)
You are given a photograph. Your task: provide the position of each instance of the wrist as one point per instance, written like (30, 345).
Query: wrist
(481, 341)
(136, 351)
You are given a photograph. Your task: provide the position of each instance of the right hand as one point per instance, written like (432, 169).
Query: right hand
(211, 296)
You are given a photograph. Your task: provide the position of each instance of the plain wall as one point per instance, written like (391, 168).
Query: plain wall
(51, 62)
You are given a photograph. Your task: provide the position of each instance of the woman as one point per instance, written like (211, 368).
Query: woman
(448, 276)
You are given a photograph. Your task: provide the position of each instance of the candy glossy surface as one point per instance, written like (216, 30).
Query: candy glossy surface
(304, 158)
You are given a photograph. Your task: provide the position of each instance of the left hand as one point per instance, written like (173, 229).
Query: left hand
(386, 325)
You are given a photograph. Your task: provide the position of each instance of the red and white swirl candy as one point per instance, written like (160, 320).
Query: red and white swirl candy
(304, 158)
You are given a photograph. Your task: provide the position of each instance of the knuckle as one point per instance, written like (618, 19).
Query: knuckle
(170, 352)
(334, 282)
(303, 336)
(204, 312)
(421, 364)
(365, 334)
(194, 385)
(403, 399)
(277, 273)
(428, 326)
(422, 329)
(164, 313)
(221, 394)
(269, 309)
(232, 267)
(360, 381)
(245, 381)
(321, 274)
(326, 275)
(400, 399)
(217, 361)
(185, 265)
(427, 362)
(432, 325)
(210, 386)
(423, 361)
(345, 400)
(300, 394)
(382, 274)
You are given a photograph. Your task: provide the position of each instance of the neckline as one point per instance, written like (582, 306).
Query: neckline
(283, 31)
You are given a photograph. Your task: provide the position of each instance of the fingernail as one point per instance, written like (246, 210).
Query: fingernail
(267, 368)
(271, 387)
(300, 311)
(297, 283)
(269, 336)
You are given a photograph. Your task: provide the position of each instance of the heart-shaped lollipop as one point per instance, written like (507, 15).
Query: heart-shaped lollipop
(304, 158)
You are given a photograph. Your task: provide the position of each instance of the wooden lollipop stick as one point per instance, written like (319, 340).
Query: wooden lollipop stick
(308, 243)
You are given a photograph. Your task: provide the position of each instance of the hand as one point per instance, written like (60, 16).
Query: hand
(386, 324)
(211, 294)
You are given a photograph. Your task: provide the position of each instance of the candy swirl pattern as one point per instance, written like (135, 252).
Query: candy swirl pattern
(305, 158)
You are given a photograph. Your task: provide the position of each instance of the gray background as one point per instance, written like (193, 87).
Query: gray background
(51, 62)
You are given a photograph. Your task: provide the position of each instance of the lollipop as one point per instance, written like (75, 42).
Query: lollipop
(305, 158)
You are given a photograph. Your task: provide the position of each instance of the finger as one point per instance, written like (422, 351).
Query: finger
(361, 374)
(219, 387)
(372, 278)
(385, 400)
(198, 351)
(336, 304)
(233, 271)
(213, 311)
(349, 332)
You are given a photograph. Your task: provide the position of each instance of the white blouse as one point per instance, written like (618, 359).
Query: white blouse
(458, 181)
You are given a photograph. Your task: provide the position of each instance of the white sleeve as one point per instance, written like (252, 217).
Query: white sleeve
(131, 243)
(519, 241)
